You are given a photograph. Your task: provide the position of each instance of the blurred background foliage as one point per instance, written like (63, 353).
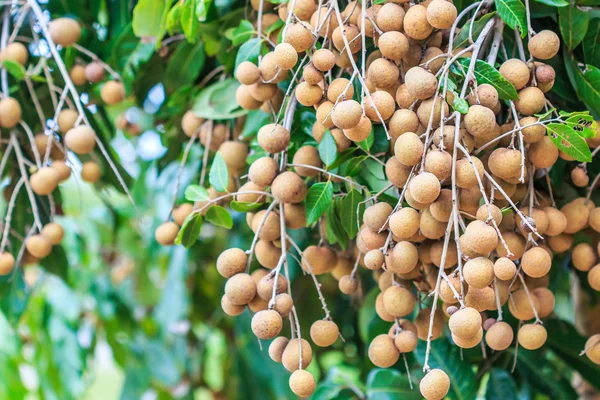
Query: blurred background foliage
(113, 315)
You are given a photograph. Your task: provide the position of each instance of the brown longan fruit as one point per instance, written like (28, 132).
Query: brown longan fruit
(500, 336)
(403, 98)
(257, 304)
(283, 304)
(505, 163)
(516, 72)
(546, 300)
(288, 187)
(277, 347)
(112, 92)
(264, 287)
(231, 261)
(441, 208)
(295, 216)
(53, 232)
(44, 181)
(466, 177)
(557, 222)
(285, 56)
(584, 256)
(520, 305)
(266, 324)
(483, 238)
(383, 73)
(320, 259)
(273, 138)
(263, 91)
(247, 73)
(81, 139)
(435, 384)
(181, 212)
(479, 120)
(307, 155)
(308, 95)
(291, 355)
(90, 172)
(420, 83)
(389, 18)
(16, 52)
(403, 121)
(441, 14)
(439, 163)
(77, 75)
(580, 177)
(594, 219)
(484, 212)
(381, 102)
(594, 277)
(361, 131)
(234, 153)
(311, 75)
(398, 301)
(425, 188)
(593, 348)
(408, 149)
(271, 229)
(393, 45)
(405, 222)
(406, 341)
(352, 36)
(382, 351)
(504, 269)
(244, 193)
(374, 259)
(38, 246)
(470, 342)
(300, 36)
(480, 299)
(543, 154)
(7, 263)
(323, 115)
(263, 171)
(422, 323)
(267, 254)
(375, 216)
(416, 25)
(10, 112)
(324, 333)
(166, 233)
(348, 284)
(66, 120)
(478, 272)
(396, 172)
(347, 114)
(486, 94)
(245, 99)
(403, 258)
(94, 72)
(424, 111)
(446, 293)
(435, 253)
(465, 323)
(532, 336)
(302, 383)
(533, 133)
(240, 289)
(531, 101)
(561, 242)
(323, 60)
(577, 214)
(544, 45)
(64, 31)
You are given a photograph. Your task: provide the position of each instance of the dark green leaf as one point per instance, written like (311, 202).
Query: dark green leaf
(190, 230)
(554, 3)
(249, 51)
(485, 73)
(318, 200)
(368, 142)
(328, 148)
(462, 39)
(333, 229)
(219, 216)
(15, 69)
(567, 140)
(353, 167)
(591, 43)
(513, 13)
(350, 212)
(185, 65)
(573, 25)
(189, 21)
(255, 120)
(501, 385)
(240, 206)
(219, 175)
(541, 374)
(583, 124)
(196, 193)
(389, 384)
(587, 83)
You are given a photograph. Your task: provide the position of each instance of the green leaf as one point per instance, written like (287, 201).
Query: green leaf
(369, 323)
(554, 3)
(333, 228)
(573, 25)
(255, 120)
(513, 13)
(241, 206)
(174, 19)
(591, 43)
(190, 230)
(542, 375)
(368, 142)
(485, 73)
(462, 39)
(587, 84)
(189, 21)
(218, 101)
(446, 356)
(219, 175)
(353, 167)
(185, 65)
(350, 212)
(501, 385)
(148, 17)
(567, 140)
(583, 124)
(196, 193)
(219, 216)
(389, 384)
(15, 69)
(242, 33)
(460, 105)
(328, 148)
(318, 200)
(249, 51)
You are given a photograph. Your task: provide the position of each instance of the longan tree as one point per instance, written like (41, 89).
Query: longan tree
(433, 158)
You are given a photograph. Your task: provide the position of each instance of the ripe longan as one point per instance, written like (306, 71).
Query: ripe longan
(593, 348)
(420, 83)
(181, 213)
(383, 73)
(267, 254)
(7, 263)
(479, 120)
(346, 114)
(361, 131)
(468, 343)
(288, 187)
(283, 304)
(66, 120)
(273, 138)
(81, 139)
(64, 32)
(505, 163)
(389, 18)
(465, 323)
(531, 101)
(479, 272)
(408, 149)
(348, 284)
(480, 299)
(546, 300)
(594, 277)
(484, 238)
(77, 75)
(382, 351)
(441, 14)
(265, 286)
(10, 112)
(446, 293)
(234, 153)
(90, 172)
(112, 92)
(231, 261)
(324, 333)
(247, 73)
(416, 25)
(403, 258)
(584, 256)
(516, 72)
(520, 305)
(398, 301)
(425, 188)
(245, 99)
(299, 35)
(53, 232)
(375, 216)
(44, 181)
(543, 154)
(166, 233)
(440, 107)
(320, 259)
(504, 269)
(266, 324)
(291, 355)
(240, 289)
(532, 133)
(439, 163)
(393, 45)
(352, 33)
(500, 336)
(302, 383)
(422, 323)
(580, 177)
(544, 45)
(38, 246)
(295, 216)
(406, 341)
(323, 60)
(532, 336)
(263, 171)
(16, 52)
(435, 385)
(285, 56)
(382, 102)
(404, 223)
(94, 72)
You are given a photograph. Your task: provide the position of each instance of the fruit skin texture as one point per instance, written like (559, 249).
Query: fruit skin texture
(593, 346)
(398, 301)
(10, 113)
(532, 336)
(302, 383)
(408, 149)
(288, 187)
(504, 268)
(499, 336)
(416, 25)
(277, 347)
(112, 92)
(7, 262)
(240, 289)
(44, 181)
(81, 139)
(441, 14)
(465, 323)
(324, 333)
(266, 324)
(263, 171)
(38, 246)
(544, 45)
(290, 357)
(382, 351)
(307, 155)
(420, 83)
(479, 272)
(435, 385)
(376, 216)
(425, 188)
(516, 72)
(536, 262)
(273, 138)
(64, 31)
(231, 261)
(594, 278)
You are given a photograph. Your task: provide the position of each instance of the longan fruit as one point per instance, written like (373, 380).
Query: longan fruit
(416, 25)
(420, 83)
(285, 56)
(7, 263)
(263, 91)
(190, 123)
(594, 219)
(181, 212)
(352, 36)
(300, 36)
(112, 92)
(479, 272)
(446, 293)
(361, 131)
(267, 254)
(295, 216)
(263, 171)
(320, 259)
(302, 383)
(470, 342)
(546, 300)
(64, 32)
(398, 301)
(374, 259)
(480, 299)
(441, 208)
(229, 308)
(516, 72)
(504, 269)
(396, 172)
(288, 187)
(383, 73)
(53, 232)
(404, 223)
(44, 181)
(531, 101)
(247, 73)
(324, 333)
(435, 385)
(543, 154)
(505, 163)
(580, 177)
(520, 305)
(273, 138)
(307, 155)
(271, 229)
(166, 233)
(264, 287)
(466, 177)
(393, 45)
(323, 114)
(486, 94)
(382, 351)
(266, 324)
(425, 188)
(560, 243)
(440, 107)
(465, 323)
(432, 59)
(10, 112)
(347, 114)
(532, 336)
(16, 52)
(240, 289)
(291, 355)
(403, 98)
(594, 277)
(382, 102)
(402, 121)
(577, 214)
(323, 60)
(38, 246)
(66, 120)
(500, 336)
(593, 348)
(403, 258)
(533, 133)
(439, 163)
(375, 216)
(94, 72)
(406, 341)
(283, 304)
(257, 304)
(81, 139)
(422, 323)
(348, 284)
(311, 75)
(389, 18)
(544, 45)
(484, 212)
(217, 136)
(77, 75)
(308, 95)
(435, 253)
(277, 347)
(245, 196)
(408, 149)
(441, 14)
(231, 261)
(234, 153)
(479, 120)
(557, 221)
(584, 256)
(245, 99)
(90, 172)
